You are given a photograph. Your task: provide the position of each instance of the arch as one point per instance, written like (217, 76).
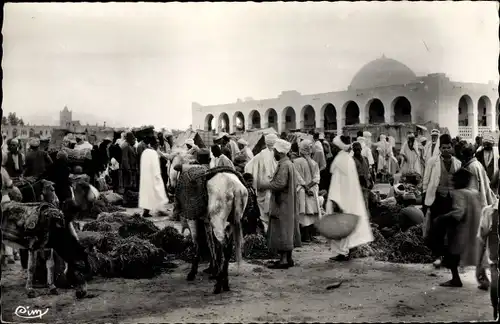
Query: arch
(464, 108)
(376, 111)
(308, 117)
(401, 108)
(498, 112)
(484, 111)
(329, 113)
(271, 117)
(223, 123)
(238, 122)
(351, 113)
(254, 119)
(32, 132)
(289, 118)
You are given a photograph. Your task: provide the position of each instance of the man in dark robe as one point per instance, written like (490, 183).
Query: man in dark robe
(14, 164)
(129, 164)
(37, 161)
(363, 170)
(487, 155)
(284, 230)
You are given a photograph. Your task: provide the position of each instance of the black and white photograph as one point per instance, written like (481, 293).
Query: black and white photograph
(215, 162)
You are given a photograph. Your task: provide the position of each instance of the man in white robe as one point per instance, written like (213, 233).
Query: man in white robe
(411, 156)
(318, 152)
(345, 195)
(152, 195)
(220, 159)
(224, 140)
(365, 151)
(262, 167)
(308, 193)
(432, 148)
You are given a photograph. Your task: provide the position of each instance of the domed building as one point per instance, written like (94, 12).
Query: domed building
(384, 91)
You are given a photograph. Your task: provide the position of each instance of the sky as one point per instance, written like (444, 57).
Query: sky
(132, 64)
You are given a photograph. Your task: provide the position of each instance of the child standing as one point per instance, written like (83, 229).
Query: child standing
(488, 235)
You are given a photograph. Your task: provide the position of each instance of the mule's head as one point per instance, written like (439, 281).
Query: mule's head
(178, 157)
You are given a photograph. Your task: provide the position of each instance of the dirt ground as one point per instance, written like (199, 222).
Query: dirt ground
(371, 292)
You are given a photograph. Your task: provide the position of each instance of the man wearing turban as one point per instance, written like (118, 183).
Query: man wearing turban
(129, 165)
(220, 158)
(411, 156)
(488, 155)
(37, 161)
(262, 167)
(345, 195)
(225, 141)
(432, 148)
(284, 231)
(14, 162)
(243, 156)
(308, 194)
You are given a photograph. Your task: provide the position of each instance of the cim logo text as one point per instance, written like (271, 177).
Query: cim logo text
(27, 313)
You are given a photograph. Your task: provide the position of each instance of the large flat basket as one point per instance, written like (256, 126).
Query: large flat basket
(337, 226)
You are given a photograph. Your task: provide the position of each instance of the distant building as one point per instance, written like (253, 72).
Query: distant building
(383, 91)
(65, 121)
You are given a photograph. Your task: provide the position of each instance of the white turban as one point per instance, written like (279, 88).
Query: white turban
(382, 137)
(221, 135)
(167, 134)
(282, 146)
(361, 140)
(423, 139)
(271, 139)
(189, 141)
(367, 134)
(435, 132)
(488, 138)
(242, 142)
(337, 141)
(305, 147)
(321, 136)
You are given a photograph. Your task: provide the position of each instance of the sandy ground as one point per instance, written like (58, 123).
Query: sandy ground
(371, 292)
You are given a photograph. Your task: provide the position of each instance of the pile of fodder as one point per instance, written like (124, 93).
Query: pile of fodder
(372, 249)
(407, 247)
(111, 197)
(130, 257)
(102, 205)
(98, 241)
(396, 246)
(170, 240)
(255, 248)
(385, 215)
(131, 199)
(124, 224)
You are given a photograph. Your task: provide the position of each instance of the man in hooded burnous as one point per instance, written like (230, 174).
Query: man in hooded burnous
(345, 195)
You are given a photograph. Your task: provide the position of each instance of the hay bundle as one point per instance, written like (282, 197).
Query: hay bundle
(255, 247)
(102, 205)
(407, 247)
(124, 224)
(170, 240)
(136, 258)
(98, 241)
(385, 215)
(189, 251)
(103, 265)
(373, 249)
(131, 199)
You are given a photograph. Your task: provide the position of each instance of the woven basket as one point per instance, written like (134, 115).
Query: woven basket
(337, 226)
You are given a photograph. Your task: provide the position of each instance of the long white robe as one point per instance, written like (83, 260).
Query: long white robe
(412, 162)
(308, 205)
(346, 192)
(319, 155)
(429, 152)
(262, 167)
(152, 195)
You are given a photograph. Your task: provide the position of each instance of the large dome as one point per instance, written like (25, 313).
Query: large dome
(382, 72)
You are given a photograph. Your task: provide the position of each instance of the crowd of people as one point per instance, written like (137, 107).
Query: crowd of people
(293, 184)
